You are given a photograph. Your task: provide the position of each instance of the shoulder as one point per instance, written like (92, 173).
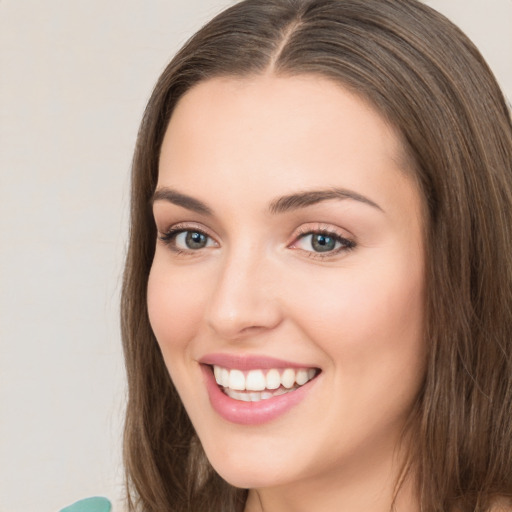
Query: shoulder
(96, 504)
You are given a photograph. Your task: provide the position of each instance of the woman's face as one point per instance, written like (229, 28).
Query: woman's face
(289, 265)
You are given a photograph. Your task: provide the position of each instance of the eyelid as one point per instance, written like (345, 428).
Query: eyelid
(187, 226)
(348, 241)
(168, 235)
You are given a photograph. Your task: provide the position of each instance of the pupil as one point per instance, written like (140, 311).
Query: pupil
(195, 240)
(323, 243)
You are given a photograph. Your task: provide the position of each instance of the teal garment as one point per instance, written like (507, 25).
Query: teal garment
(90, 505)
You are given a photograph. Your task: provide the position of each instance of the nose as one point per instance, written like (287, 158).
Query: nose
(245, 299)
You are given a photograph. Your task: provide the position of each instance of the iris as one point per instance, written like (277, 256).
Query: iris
(322, 243)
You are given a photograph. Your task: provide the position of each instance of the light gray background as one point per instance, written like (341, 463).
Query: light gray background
(74, 78)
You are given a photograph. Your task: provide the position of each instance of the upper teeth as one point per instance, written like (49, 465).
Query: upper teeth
(258, 380)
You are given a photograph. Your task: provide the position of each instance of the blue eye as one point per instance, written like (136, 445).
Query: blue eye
(191, 240)
(323, 243)
(187, 240)
(320, 242)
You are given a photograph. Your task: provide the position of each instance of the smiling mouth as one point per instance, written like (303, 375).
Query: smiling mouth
(256, 385)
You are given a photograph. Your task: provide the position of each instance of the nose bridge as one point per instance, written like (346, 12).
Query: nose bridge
(242, 300)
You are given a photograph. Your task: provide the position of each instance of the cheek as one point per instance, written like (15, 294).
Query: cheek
(174, 306)
(365, 318)
(371, 330)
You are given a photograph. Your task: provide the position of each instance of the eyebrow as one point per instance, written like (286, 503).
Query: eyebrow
(311, 197)
(282, 204)
(179, 199)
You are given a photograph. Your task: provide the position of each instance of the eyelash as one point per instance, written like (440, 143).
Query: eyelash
(346, 245)
(169, 237)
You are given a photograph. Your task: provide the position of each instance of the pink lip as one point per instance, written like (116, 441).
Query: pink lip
(246, 363)
(251, 413)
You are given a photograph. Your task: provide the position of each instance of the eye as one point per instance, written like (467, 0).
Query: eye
(187, 240)
(322, 242)
(191, 240)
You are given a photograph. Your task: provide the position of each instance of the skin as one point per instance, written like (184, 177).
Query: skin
(258, 287)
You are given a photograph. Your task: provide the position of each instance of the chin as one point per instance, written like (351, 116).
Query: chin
(250, 479)
(247, 473)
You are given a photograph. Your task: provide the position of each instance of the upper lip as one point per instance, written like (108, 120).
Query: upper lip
(249, 362)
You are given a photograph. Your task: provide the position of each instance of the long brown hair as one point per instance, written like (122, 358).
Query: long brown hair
(420, 72)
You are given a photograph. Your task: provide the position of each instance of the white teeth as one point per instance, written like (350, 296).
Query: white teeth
(224, 378)
(302, 377)
(255, 381)
(261, 384)
(255, 396)
(236, 380)
(237, 395)
(273, 379)
(288, 378)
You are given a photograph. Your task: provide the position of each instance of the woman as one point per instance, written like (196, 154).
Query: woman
(317, 296)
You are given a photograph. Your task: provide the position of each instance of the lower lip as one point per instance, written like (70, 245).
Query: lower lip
(251, 413)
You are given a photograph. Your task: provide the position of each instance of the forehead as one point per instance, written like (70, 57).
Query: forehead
(283, 132)
(309, 101)
(289, 107)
